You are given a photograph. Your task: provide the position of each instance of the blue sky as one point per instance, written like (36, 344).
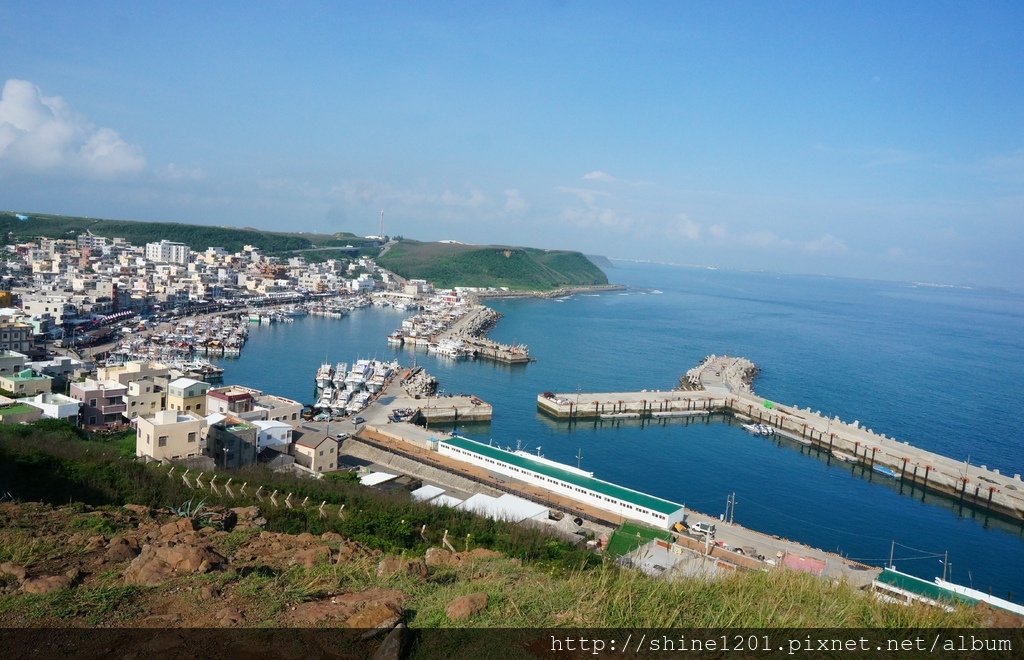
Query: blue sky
(865, 139)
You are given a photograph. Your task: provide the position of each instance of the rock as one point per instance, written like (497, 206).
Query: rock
(44, 584)
(14, 570)
(439, 557)
(464, 607)
(246, 513)
(229, 617)
(382, 605)
(394, 645)
(305, 537)
(480, 553)
(96, 542)
(209, 592)
(400, 566)
(332, 536)
(120, 549)
(157, 563)
(310, 557)
(374, 618)
(138, 509)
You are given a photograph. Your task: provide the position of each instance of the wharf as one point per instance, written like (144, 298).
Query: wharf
(470, 328)
(721, 384)
(447, 409)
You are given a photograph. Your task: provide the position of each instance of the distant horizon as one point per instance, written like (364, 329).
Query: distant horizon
(864, 140)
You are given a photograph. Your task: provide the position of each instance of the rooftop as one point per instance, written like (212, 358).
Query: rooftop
(590, 483)
(921, 587)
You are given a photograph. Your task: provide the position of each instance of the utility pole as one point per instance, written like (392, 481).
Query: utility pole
(892, 550)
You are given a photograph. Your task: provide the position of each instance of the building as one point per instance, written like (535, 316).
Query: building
(11, 362)
(26, 383)
(103, 401)
(133, 370)
(188, 395)
(315, 453)
(231, 443)
(16, 336)
(144, 397)
(272, 434)
(19, 413)
(169, 435)
(230, 400)
(279, 409)
(565, 480)
(56, 406)
(168, 252)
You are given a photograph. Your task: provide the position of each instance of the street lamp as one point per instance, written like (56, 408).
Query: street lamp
(225, 464)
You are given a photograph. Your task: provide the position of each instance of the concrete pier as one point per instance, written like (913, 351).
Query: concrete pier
(721, 384)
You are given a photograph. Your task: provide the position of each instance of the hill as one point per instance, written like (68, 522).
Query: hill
(454, 264)
(197, 237)
(144, 551)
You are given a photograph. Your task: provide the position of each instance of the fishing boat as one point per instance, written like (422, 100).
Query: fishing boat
(759, 429)
(885, 470)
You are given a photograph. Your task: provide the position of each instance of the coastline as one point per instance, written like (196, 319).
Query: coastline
(554, 293)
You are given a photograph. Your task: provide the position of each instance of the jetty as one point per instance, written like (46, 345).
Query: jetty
(723, 384)
(458, 331)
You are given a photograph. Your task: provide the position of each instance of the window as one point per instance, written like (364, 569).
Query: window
(192, 437)
(92, 402)
(162, 441)
(188, 407)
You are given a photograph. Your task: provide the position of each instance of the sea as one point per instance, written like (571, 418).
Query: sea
(937, 366)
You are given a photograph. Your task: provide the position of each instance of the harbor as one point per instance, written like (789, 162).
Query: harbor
(722, 384)
(454, 329)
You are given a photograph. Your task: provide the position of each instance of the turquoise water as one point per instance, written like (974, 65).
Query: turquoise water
(937, 367)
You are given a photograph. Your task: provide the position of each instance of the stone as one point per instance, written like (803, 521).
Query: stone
(209, 592)
(45, 584)
(394, 645)
(157, 563)
(400, 566)
(382, 605)
(138, 509)
(374, 618)
(310, 557)
(14, 570)
(439, 557)
(480, 553)
(120, 549)
(229, 617)
(464, 607)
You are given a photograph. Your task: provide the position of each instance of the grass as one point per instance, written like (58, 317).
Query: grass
(92, 605)
(23, 548)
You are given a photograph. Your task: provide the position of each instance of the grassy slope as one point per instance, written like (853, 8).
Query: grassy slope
(555, 585)
(447, 264)
(198, 237)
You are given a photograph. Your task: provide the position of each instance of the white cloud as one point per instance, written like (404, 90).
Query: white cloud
(718, 232)
(825, 244)
(174, 172)
(514, 201)
(586, 195)
(686, 228)
(598, 175)
(591, 218)
(764, 239)
(43, 134)
(472, 200)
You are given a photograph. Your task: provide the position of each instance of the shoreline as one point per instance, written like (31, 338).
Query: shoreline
(554, 293)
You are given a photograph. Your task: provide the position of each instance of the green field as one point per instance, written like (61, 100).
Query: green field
(525, 269)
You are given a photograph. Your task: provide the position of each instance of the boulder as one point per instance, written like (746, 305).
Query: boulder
(14, 570)
(120, 549)
(229, 617)
(382, 607)
(464, 607)
(310, 557)
(400, 566)
(156, 563)
(439, 557)
(44, 584)
(394, 645)
(138, 509)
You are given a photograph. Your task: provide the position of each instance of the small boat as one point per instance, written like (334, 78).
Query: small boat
(843, 456)
(885, 470)
(759, 429)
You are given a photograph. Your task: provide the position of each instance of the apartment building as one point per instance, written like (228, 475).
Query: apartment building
(168, 435)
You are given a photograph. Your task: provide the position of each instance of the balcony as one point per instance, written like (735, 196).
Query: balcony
(112, 408)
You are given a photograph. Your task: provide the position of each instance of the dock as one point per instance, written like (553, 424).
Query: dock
(470, 330)
(723, 384)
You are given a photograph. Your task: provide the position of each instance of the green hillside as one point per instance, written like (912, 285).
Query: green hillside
(197, 237)
(450, 264)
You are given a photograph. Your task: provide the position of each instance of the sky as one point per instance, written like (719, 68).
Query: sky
(865, 139)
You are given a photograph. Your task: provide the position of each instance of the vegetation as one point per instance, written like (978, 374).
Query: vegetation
(197, 237)
(540, 582)
(452, 264)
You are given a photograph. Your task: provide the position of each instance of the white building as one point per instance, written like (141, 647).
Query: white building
(272, 434)
(168, 252)
(56, 406)
(566, 480)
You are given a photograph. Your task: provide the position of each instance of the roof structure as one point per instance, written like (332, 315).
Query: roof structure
(546, 469)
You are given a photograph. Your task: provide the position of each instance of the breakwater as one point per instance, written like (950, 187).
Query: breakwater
(723, 384)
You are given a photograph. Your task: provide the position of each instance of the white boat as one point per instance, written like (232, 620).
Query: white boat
(324, 375)
(396, 338)
(449, 348)
(759, 429)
